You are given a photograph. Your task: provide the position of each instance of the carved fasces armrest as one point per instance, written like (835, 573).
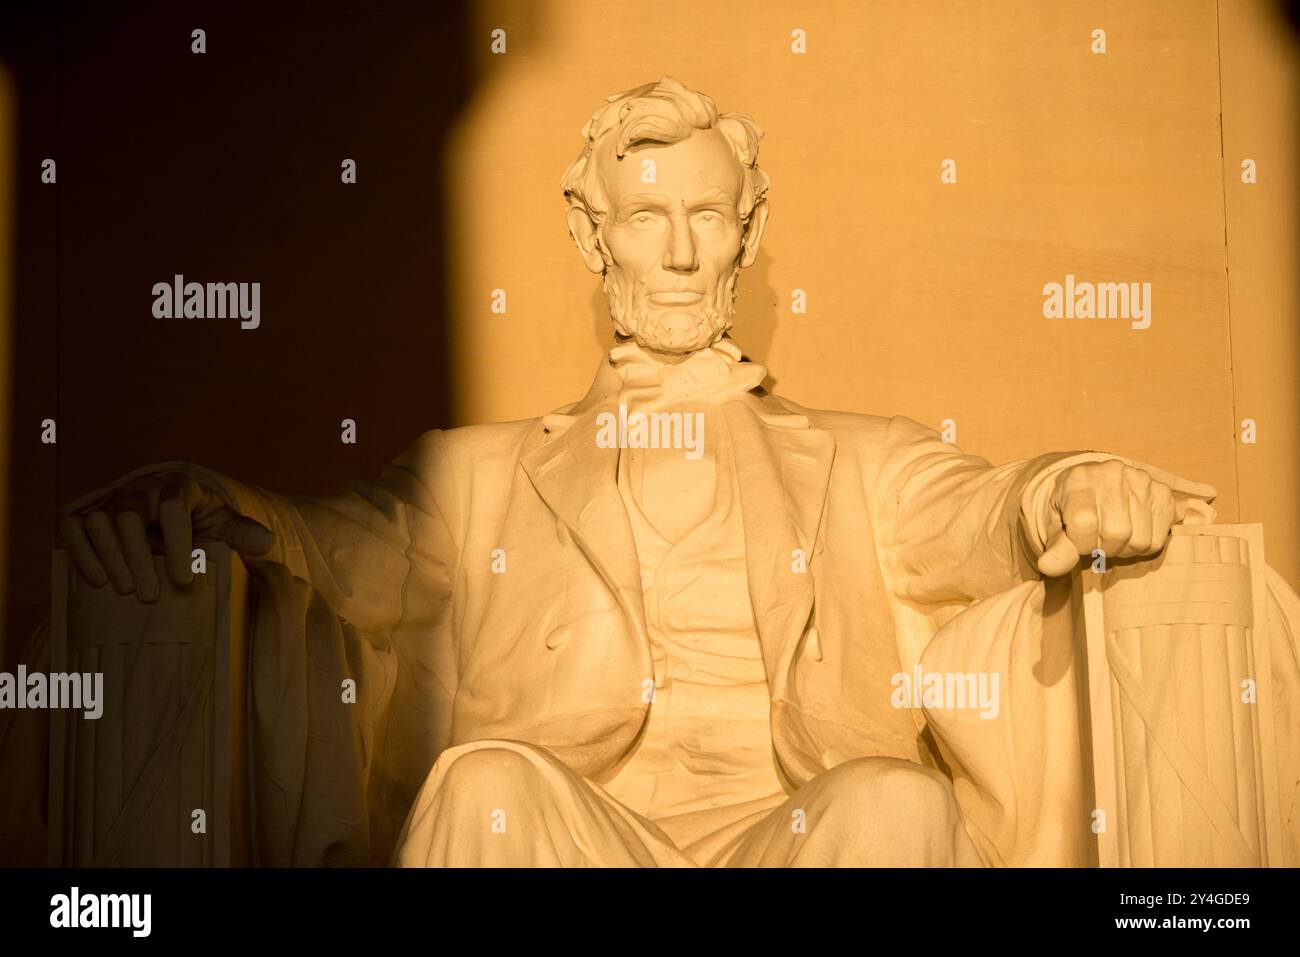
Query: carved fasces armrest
(160, 778)
(1178, 698)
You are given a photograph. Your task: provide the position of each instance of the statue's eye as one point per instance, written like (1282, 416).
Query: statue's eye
(643, 218)
(708, 217)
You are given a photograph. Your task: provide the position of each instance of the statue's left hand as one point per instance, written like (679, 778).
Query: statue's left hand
(1123, 510)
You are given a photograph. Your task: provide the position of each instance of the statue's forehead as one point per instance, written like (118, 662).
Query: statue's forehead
(700, 163)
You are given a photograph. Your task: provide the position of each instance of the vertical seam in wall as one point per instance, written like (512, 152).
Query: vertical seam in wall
(1227, 271)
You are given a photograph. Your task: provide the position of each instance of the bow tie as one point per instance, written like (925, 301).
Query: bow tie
(706, 377)
(632, 377)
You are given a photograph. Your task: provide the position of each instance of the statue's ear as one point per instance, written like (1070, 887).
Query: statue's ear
(583, 231)
(754, 233)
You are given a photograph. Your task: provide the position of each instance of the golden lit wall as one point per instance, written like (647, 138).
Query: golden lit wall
(926, 298)
(1261, 104)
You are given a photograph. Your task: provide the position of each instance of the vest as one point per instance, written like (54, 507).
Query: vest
(705, 758)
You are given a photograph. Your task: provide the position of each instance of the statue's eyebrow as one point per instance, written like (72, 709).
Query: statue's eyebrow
(710, 196)
(643, 199)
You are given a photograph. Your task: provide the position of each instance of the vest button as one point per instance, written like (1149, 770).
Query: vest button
(680, 619)
(680, 671)
(558, 637)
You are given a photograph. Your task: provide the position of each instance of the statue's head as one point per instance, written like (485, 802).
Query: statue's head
(667, 202)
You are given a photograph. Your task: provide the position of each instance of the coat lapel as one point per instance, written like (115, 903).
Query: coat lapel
(578, 481)
(783, 473)
(782, 468)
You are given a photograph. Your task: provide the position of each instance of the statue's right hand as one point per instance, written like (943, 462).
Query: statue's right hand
(114, 538)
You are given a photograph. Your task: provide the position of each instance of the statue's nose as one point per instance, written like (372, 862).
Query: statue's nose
(680, 255)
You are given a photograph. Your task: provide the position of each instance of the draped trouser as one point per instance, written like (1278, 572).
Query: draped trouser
(510, 804)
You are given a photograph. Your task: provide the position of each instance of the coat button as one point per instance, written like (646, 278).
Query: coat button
(558, 637)
(680, 619)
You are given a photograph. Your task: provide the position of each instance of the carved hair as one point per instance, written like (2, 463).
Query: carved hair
(662, 113)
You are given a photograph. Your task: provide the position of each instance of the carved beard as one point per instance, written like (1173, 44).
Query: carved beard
(671, 331)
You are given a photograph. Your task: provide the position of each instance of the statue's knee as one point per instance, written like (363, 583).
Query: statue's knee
(476, 799)
(489, 772)
(891, 787)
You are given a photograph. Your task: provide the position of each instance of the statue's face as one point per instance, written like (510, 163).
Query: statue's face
(675, 242)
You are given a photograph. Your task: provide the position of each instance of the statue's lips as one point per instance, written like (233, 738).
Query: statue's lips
(675, 298)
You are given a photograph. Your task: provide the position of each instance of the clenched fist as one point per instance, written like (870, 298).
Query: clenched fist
(113, 539)
(1123, 510)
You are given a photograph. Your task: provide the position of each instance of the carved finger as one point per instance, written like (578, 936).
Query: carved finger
(82, 553)
(139, 557)
(1116, 526)
(1060, 558)
(1080, 518)
(103, 536)
(1141, 541)
(175, 506)
(245, 535)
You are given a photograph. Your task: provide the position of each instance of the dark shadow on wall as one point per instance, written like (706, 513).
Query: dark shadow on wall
(224, 166)
(1290, 9)
(220, 166)
(1289, 15)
